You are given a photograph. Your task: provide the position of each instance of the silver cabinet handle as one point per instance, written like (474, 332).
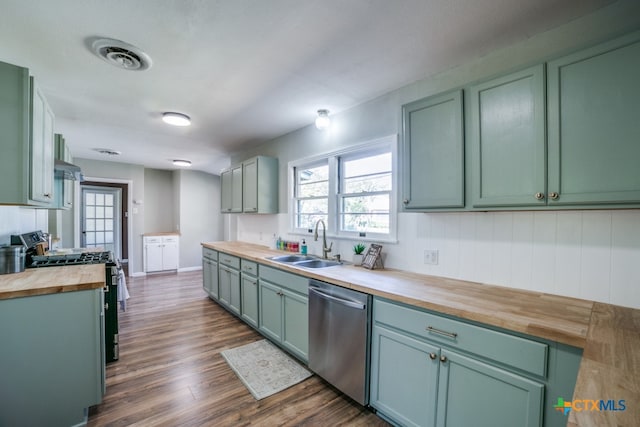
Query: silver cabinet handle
(432, 356)
(441, 332)
(405, 201)
(539, 196)
(553, 195)
(443, 359)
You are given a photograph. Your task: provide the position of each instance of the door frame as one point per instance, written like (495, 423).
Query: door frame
(86, 187)
(128, 203)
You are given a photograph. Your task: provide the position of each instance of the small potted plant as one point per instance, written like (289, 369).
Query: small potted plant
(358, 254)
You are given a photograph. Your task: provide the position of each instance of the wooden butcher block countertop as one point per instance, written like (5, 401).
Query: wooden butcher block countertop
(52, 280)
(553, 317)
(608, 334)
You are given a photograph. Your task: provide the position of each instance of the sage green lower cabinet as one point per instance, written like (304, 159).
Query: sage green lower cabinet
(229, 287)
(51, 358)
(404, 378)
(432, 370)
(473, 393)
(284, 310)
(210, 272)
(249, 292)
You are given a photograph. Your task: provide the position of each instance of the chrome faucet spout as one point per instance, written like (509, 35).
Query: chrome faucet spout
(325, 249)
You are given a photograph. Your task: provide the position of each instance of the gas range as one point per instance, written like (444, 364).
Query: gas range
(72, 259)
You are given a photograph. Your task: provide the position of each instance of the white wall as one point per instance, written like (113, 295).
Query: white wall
(159, 201)
(199, 215)
(584, 254)
(18, 220)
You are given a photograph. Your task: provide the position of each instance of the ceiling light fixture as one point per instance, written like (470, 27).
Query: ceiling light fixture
(178, 162)
(176, 119)
(323, 121)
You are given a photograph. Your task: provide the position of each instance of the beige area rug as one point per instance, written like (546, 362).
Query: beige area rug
(265, 369)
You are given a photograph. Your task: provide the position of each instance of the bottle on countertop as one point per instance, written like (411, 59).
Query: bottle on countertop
(278, 242)
(303, 247)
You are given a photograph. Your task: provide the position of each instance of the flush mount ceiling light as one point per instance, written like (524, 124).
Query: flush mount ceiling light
(176, 119)
(186, 163)
(323, 121)
(121, 54)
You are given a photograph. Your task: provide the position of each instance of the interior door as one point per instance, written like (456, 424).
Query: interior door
(100, 218)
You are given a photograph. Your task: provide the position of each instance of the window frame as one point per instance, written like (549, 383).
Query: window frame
(333, 159)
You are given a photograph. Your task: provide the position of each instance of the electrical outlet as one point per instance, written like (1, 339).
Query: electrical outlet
(431, 256)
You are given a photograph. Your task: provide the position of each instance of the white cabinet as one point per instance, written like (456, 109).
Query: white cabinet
(161, 253)
(26, 139)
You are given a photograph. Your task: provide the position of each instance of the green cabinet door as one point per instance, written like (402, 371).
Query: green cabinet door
(594, 124)
(404, 378)
(249, 294)
(295, 323)
(433, 152)
(472, 393)
(210, 277)
(231, 190)
(42, 148)
(229, 288)
(270, 312)
(507, 140)
(225, 191)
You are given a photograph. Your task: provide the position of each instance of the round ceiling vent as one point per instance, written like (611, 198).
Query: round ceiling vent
(121, 54)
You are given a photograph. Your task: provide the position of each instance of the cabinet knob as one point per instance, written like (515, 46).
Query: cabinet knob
(443, 359)
(405, 201)
(553, 195)
(47, 195)
(432, 356)
(539, 196)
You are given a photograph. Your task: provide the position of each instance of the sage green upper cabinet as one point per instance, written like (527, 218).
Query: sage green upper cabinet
(433, 174)
(26, 139)
(260, 185)
(231, 201)
(594, 125)
(508, 140)
(63, 187)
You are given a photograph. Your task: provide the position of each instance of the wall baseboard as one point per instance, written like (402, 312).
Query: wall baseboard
(138, 274)
(194, 268)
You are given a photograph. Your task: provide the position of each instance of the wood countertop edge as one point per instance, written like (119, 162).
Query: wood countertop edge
(50, 290)
(569, 333)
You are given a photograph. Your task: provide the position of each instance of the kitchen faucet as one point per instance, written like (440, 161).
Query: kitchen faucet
(325, 249)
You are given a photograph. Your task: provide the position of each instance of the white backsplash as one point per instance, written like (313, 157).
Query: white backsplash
(16, 220)
(585, 254)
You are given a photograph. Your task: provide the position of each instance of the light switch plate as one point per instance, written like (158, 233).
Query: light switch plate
(431, 256)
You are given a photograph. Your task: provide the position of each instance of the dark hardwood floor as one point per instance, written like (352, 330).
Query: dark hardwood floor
(170, 371)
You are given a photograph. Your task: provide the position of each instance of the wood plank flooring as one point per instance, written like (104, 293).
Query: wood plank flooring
(171, 373)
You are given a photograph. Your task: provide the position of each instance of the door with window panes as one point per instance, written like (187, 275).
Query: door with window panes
(100, 218)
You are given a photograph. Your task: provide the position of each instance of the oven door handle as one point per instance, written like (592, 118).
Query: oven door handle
(346, 302)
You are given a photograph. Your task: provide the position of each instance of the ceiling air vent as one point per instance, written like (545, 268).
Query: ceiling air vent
(108, 151)
(121, 54)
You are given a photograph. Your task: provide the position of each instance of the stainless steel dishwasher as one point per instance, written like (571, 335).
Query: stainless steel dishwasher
(339, 334)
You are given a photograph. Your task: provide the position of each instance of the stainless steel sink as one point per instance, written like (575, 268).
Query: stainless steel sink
(290, 259)
(317, 263)
(306, 261)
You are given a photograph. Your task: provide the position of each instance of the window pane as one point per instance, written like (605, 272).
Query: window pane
(108, 199)
(99, 224)
(367, 165)
(368, 184)
(108, 237)
(91, 238)
(313, 206)
(99, 199)
(372, 223)
(309, 221)
(313, 174)
(313, 189)
(90, 212)
(108, 224)
(366, 204)
(89, 199)
(90, 225)
(99, 211)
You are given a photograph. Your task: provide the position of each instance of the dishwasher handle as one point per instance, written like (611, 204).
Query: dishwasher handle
(348, 303)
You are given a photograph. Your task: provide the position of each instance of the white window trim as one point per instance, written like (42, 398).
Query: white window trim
(388, 142)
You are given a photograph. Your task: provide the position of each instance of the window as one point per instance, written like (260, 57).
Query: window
(352, 191)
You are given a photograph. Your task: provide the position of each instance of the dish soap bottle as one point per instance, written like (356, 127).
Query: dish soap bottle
(303, 247)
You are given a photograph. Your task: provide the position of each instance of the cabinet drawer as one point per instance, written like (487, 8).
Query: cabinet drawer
(521, 353)
(249, 267)
(152, 239)
(170, 239)
(286, 280)
(230, 260)
(209, 253)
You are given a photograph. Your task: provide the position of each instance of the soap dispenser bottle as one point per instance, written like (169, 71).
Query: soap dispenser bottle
(303, 247)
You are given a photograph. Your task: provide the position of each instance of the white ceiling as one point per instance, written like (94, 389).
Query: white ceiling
(246, 71)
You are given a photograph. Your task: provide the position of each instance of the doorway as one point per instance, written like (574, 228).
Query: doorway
(100, 218)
